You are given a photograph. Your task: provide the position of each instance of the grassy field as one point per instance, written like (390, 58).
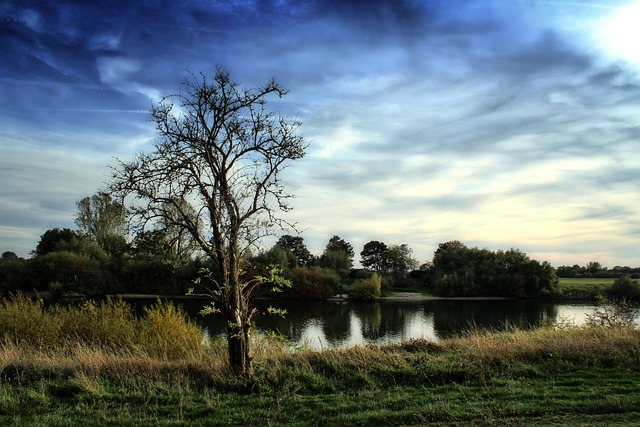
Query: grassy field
(586, 281)
(583, 288)
(53, 375)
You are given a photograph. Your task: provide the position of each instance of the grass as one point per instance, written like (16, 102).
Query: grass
(587, 281)
(583, 288)
(548, 376)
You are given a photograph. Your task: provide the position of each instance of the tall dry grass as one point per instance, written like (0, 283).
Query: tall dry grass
(477, 356)
(601, 345)
(164, 331)
(106, 340)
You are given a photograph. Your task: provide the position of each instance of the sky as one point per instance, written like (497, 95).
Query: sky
(499, 123)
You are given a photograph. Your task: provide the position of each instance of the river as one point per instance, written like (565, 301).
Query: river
(326, 324)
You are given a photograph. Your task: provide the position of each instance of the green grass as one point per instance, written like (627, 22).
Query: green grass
(583, 288)
(549, 376)
(586, 281)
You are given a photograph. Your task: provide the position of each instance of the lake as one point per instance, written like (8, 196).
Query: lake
(327, 324)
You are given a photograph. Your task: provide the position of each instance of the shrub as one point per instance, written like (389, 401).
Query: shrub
(24, 320)
(167, 333)
(315, 283)
(367, 289)
(624, 288)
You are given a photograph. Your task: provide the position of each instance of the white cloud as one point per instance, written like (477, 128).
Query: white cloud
(115, 71)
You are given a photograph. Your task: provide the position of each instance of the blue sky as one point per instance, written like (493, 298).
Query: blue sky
(499, 123)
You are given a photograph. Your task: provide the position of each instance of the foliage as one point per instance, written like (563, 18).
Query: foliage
(462, 271)
(338, 244)
(79, 267)
(51, 240)
(167, 333)
(103, 220)
(276, 255)
(367, 289)
(582, 288)
(337, 261)
(295, 245)
(311, 282)
(392, 262)
(17, 274)
(9, 255)
(338, 256)
(398, 259)
(624, 288)
(594, 269)
(373, 256)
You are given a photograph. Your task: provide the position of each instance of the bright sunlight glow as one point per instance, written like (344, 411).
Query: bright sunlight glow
(620, 34)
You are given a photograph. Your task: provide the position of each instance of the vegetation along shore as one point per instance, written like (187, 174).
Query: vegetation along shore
(98, 364)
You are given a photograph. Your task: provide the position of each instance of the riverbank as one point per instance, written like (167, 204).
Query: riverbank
(548, 376)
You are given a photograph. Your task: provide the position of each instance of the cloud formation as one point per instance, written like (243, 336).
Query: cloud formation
(498, 124)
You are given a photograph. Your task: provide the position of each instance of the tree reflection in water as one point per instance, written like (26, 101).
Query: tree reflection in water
(325, 324)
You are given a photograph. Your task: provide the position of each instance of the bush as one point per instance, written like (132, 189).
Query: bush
(624, 288)
(16, 274)
(24, 320)
(367, 289)
(167, 333)
(314, 283)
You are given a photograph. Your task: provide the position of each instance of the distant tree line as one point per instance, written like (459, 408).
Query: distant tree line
(97, 259)
(595, 269)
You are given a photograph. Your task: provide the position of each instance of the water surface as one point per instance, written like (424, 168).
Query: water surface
(324, 324)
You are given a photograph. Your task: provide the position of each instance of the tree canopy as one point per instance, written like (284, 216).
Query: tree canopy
(462, 271)
(102, 219)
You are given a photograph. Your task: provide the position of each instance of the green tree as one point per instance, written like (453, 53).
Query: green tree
(373, 256)
(51, 240)
(16, 274)
(9, 255)
(398, 259)
(462, 271)
(295, 244)
(338, 244)
(103, 220)
(150, 245)
(312, 282)
(338, 256)
(222, 151)
(276, 256)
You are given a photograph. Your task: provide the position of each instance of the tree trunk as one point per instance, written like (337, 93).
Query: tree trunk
(238, 340)
(239, 359)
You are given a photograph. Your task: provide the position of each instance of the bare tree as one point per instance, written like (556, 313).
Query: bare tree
(221, 152)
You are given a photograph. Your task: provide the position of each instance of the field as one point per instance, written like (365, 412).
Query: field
(51, 374)
(583, 288)
(586, 281)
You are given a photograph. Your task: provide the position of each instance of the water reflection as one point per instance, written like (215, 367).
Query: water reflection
(324, 324)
